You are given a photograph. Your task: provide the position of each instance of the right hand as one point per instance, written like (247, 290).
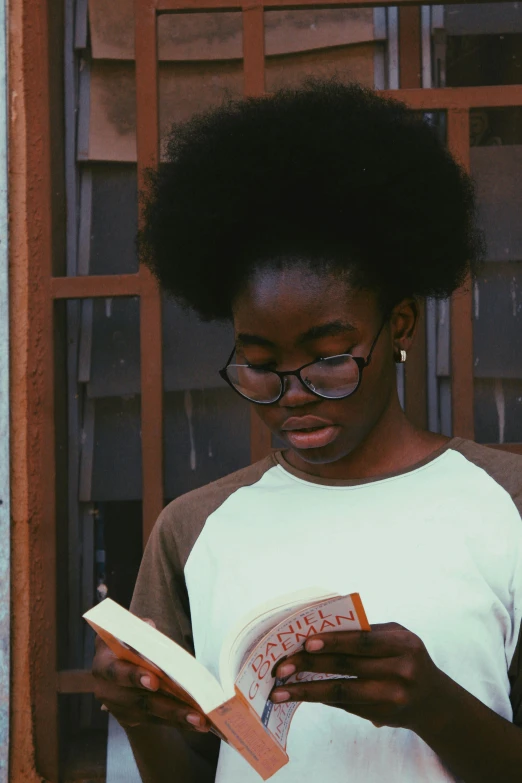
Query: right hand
(130, 693)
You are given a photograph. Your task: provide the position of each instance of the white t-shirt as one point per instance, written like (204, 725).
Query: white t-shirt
(437, 548)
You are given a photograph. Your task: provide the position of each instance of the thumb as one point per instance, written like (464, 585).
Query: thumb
(150, 680)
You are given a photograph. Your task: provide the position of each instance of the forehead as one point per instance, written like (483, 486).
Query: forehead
(294, 299)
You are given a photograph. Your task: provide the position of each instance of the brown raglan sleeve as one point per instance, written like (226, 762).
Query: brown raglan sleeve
(506, 469)
(160, 593)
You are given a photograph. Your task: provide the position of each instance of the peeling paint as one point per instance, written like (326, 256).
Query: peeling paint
(443, 312)
(476, 299)
(500, 404)
(187, 399)
(513, 291)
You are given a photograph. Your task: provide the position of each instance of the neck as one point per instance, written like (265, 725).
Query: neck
(394, 444)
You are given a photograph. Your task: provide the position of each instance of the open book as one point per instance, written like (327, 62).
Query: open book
(237, 705)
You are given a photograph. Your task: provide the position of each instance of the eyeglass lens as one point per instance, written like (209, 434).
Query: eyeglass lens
(334, 377)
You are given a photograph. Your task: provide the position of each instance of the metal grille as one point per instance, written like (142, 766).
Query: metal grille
(456, 102)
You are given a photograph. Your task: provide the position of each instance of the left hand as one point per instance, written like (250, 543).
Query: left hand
(396, 678)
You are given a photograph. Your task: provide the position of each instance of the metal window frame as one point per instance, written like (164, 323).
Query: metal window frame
(5, 493)
(47, 683)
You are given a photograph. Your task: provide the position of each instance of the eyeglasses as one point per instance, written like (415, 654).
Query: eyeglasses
(332, 378)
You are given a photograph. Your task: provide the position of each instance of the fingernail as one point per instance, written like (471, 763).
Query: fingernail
(103, 708)
(314, 645)
(195, 720)
(278, 696)
(286, 670)
(147, 683)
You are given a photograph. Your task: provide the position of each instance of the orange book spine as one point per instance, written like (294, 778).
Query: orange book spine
(242, 729)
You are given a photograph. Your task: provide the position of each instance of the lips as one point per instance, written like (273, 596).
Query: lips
(309, 432)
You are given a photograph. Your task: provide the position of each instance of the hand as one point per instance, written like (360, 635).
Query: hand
(130, 694)
(396, 678)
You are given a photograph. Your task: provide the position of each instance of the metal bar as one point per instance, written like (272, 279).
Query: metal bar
(73, 308)
(379, 59)
(86, 459)
(40, 390)
(84, 109)
(431, 362)
(75, 681)
(83, 236)
(81, 24)
(164, 6)
(410, 68)
(462, 387)
(446, 425)
(5, 516)
(458, 97)
(84, 354)
(151, 406)
(87, 599)
(147, 128)
(410, 77)
(84, 287)
(253, 50)
(392, 16)
(426, 46)
(254, 84)
(85, 343)
(432, 390)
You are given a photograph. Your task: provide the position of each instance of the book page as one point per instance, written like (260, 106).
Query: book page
(114, 623)
(253, 627)
(255, 680)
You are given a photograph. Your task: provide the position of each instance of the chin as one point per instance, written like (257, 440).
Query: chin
(333, 452)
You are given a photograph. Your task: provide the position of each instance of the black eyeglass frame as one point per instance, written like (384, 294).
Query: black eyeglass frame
(359, 360)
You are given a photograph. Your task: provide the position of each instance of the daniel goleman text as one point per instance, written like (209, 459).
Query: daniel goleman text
(294, 635)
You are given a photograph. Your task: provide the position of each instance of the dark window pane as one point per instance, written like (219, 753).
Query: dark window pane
(498, 322)
(497, 173)
(207, 426)
(207, 436)
(498, 411)
(114, 220)
(495, 127)
(115, 347)
(116, 473)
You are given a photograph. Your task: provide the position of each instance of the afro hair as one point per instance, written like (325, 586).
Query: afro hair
(330, 173)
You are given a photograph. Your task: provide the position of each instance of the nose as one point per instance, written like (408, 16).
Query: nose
(295, 393)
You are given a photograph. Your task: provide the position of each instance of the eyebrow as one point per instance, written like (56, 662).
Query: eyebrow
(331, 329)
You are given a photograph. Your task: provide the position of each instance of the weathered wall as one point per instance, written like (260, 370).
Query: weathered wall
(22, 767)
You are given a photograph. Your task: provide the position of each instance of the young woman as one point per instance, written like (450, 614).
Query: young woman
(315, 219)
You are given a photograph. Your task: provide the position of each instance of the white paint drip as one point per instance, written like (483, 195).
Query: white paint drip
(513, 292)
(476, 299)
(108, 307)
(500, 404)
(443, 311)
(187, 399)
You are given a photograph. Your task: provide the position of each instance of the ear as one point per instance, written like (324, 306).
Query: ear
(404, 320)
